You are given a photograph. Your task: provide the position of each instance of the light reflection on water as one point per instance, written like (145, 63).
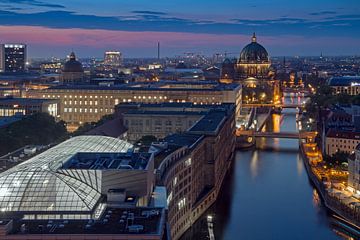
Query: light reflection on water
(267, 194)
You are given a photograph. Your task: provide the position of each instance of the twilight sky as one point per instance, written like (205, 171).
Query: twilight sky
(89, 27)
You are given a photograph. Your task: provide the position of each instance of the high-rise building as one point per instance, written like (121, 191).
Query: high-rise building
(113, 58)
(12, 57)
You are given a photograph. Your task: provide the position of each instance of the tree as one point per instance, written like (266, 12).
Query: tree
(36, 129)
(147, 140)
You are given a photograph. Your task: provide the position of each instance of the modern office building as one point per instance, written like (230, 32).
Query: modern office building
(113, 58)
(193, 165)
(354, 171)
(25, 106)
(347, 85)
(162, 119)
(88, 187)
(13, 57)
(88, 103)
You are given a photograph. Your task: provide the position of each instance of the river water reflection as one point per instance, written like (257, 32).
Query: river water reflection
(267, 194)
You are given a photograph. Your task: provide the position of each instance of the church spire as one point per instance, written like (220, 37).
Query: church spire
(253, 39)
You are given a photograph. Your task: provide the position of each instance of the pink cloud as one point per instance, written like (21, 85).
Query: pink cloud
(43, 40)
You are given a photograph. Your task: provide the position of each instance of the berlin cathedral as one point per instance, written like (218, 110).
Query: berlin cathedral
(253, 71)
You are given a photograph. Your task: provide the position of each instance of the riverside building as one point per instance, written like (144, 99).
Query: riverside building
(192, 167)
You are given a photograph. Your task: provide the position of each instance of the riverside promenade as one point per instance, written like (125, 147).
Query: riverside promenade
(344, 206)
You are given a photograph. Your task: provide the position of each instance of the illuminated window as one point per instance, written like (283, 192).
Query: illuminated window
(188, 162)
(181, 203)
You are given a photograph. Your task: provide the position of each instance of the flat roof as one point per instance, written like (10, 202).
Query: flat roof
(24, 101)
(183, 139)
(154, 112)
(157, 86)
(344, 81)
(333, 133)
(99, 161)
(209, 123)
(113, 221)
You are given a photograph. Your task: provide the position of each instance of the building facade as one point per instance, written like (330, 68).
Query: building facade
(13, 57)
(354, 171)
(88, 103)
(113, 58)
(254, 61)
(345, 85)
(24, 106)
(341, 141)
(195, 167)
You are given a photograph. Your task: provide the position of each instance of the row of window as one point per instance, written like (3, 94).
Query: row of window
(88, 110)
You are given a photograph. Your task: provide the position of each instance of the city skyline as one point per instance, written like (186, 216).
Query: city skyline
(207, 27)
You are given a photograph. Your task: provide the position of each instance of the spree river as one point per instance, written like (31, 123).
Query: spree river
(267, 194)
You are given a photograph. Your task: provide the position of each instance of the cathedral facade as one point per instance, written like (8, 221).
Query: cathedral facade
(253, 71)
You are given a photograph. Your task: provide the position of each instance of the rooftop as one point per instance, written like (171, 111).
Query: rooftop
(113, 221)
(333, 133)
(23, 101)
(100, 161)
(344, 81)
(158, 86)
(183, 139)
(41, 185)
(209, 123)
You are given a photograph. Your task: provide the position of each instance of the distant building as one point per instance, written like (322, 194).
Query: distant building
(10, 92)
(72, 72)
(347, 85)
(26, 106)
(88, 187)
(51, 67)
(88, 103)
(341, 141)
(113, 58)
(228, 71)
(13, 57)
(182, 73)
(354, 171)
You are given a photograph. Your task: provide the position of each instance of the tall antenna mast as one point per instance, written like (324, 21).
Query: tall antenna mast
(158, 51)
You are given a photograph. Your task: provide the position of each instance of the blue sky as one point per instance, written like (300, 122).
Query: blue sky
(304, 27)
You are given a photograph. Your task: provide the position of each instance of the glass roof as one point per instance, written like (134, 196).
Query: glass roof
(40, 185)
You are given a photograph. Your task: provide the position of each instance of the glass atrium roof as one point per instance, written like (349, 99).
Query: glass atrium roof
(41, 185)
